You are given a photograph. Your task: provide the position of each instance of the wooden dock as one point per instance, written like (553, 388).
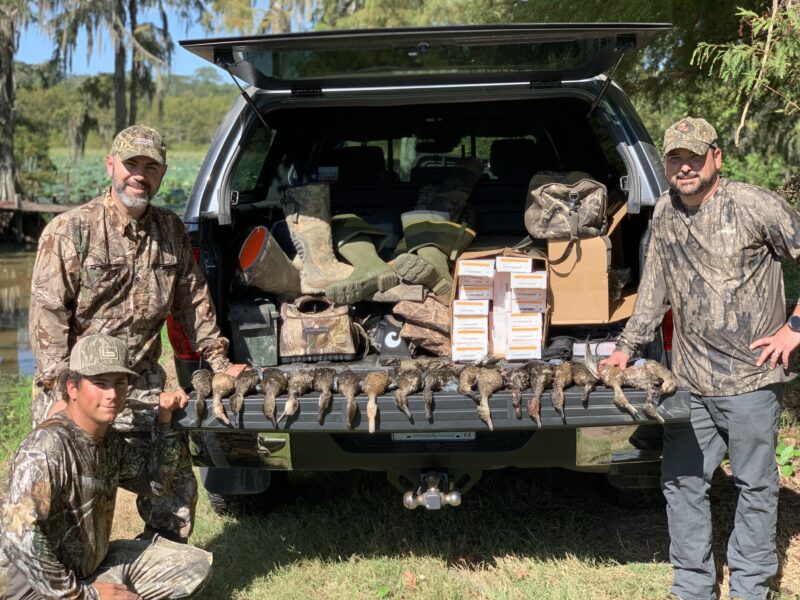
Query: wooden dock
(26, 206)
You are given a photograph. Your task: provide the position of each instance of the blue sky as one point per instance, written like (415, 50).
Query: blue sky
(36, 47)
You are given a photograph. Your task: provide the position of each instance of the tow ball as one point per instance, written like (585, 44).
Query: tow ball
(429, 495)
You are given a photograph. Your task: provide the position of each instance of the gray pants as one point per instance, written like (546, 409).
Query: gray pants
(746, 426)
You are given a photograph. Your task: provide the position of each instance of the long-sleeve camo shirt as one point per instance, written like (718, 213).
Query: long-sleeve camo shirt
(719, 269)
(56, 519)
(97, 271)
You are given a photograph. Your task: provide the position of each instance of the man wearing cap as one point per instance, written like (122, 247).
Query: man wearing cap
(119, 266)
(57, 515)
(715, 260)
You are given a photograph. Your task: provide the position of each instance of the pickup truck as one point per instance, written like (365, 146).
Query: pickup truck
(420, 99)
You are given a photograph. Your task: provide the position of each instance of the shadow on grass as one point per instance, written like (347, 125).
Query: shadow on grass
(536, 514)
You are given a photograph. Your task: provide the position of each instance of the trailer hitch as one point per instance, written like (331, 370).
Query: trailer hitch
(429, 494)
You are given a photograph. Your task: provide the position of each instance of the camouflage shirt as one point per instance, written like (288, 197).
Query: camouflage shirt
(98, 271)
(56, 519)
(719, 269)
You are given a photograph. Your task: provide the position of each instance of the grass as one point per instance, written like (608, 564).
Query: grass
(15, 416)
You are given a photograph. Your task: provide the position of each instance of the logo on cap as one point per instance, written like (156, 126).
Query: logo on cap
(684, 126)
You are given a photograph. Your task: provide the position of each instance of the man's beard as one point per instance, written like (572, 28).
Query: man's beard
(701, 186)
(130, 202)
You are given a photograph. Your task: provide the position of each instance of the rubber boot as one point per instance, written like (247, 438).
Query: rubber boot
(430, 246)
(308, 215)
(264, 264)
(356, 241)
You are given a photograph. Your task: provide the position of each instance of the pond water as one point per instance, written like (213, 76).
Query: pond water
(16, 357)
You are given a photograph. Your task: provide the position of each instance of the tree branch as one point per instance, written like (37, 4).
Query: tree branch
(761, 72)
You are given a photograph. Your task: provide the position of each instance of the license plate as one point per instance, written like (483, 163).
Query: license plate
(435, 436)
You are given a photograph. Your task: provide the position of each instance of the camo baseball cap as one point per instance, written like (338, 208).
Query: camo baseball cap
(99, 354)
(690, 133)
(139, 140)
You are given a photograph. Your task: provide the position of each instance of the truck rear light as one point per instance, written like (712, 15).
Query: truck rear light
(181, 345)
(666, 331)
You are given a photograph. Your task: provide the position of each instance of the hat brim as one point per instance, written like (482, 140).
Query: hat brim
(104, 370)
(134, 153)
(696, 146)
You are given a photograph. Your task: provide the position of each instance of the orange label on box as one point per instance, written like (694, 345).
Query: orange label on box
(479, 268)
(535, 280)
(471, 307)
(513, 264)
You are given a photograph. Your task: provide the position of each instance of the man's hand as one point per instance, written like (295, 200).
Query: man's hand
(617, 359)
(169, 402)
(235, 369)
(778, 347)
(114, 591)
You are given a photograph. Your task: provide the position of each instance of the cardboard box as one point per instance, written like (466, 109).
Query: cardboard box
(469, 322)
(579, 284)
(469, 352)
(502, 291)
(462, 337)
(471, 308)
(524, 327)
(523, 351)
(476, 292)
(474, 280)
(498, 328)
(476, 267)
(535, 280)
(513, 264)
(528, 301)
(539, 262)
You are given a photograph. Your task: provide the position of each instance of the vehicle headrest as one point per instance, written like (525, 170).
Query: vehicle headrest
(359, 164)
(519, 158)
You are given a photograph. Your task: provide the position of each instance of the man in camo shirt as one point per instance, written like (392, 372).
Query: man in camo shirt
(715, 259)
(56, 519)
(119, 266)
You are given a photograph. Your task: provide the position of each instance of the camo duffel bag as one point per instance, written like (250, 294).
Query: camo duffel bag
(565, 206)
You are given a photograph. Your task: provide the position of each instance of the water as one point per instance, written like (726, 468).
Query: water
(16, 357)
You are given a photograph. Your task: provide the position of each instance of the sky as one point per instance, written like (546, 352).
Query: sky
(36, 47)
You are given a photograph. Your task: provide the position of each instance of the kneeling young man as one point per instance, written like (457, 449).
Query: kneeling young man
(56, 520)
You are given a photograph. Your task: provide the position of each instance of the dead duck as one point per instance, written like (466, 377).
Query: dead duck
(201, 382)
(409, 381)
(299, 383)
(516, 380)
(436, 377)
(273, 384)
(222, 385)
(489, 381)
(581, 375)
(348, 383)
(242, 385)
(467, 380)
(375, 384)
(655, 379)
(612, 377)
(541, 375)
(562, 378)
(323, 383)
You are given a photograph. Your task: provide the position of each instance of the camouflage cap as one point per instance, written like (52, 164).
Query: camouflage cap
(99, 354)
(690, 133)
(139, 140)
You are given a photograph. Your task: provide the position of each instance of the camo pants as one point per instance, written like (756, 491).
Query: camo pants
(171, 514)
(153, 569)
(746, 426)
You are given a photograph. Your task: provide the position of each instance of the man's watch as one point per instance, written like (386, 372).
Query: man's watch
(794, 323)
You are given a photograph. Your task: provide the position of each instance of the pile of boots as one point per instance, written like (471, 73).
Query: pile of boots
(315, 268)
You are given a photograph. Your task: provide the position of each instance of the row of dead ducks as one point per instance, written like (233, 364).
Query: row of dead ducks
(429, 376)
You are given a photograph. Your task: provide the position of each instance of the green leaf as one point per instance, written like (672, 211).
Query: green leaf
(787, 470)
(384, 590)
(786, 455)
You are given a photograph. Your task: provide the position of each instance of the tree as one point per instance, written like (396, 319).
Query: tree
(765, 63)
(12, 14)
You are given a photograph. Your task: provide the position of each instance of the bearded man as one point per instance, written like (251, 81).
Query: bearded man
(715, 259)
(118, 266)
